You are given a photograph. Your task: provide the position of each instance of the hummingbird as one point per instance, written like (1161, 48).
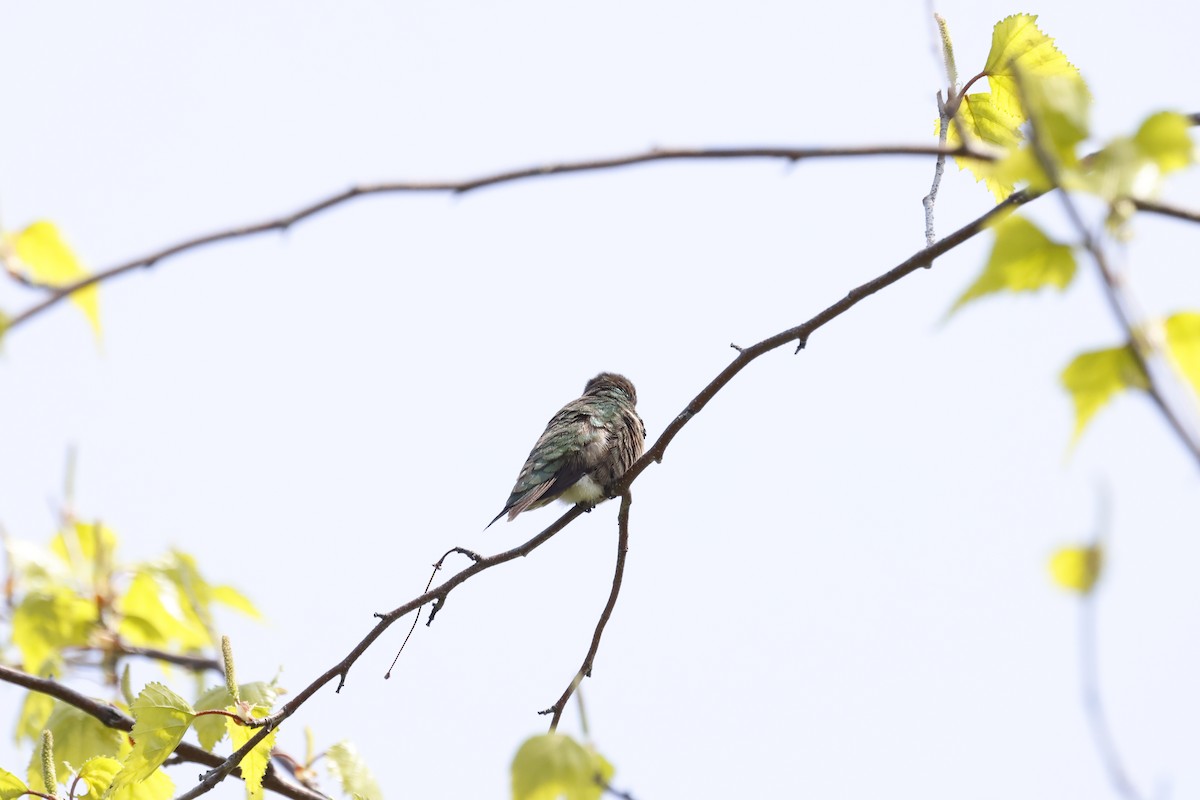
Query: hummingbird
(586, 447)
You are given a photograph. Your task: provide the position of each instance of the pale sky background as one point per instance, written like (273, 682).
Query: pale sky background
(837, 584)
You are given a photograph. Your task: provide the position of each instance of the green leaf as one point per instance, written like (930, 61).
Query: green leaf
(78, 736)
(1183, 346)
(11, 787)
(146, 620)
(35, 711)
(1077, 568)
(97, 775)
(210, 728)
(158, 786)
(1023, 259)
(47, 621)
(1018, 45)
(84, 546)
(161, 718)
(554, 765)
(231, 597)
(1094, 378)
(43, 255)
(348, 768)
(986, 122)
(1165, 140)
(254, 765)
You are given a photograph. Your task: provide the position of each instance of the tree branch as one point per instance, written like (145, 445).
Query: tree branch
(792, 154)
(113, 717)
(585, 670)
(1166, 210)
(800, 333)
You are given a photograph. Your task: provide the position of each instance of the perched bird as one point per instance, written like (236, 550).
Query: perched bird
(585, 448)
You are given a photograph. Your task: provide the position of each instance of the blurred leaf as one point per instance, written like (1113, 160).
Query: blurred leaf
(254, 765)
(1023, 259)
(1134, 166)
(232, 598)
(554, 765)
(1093, 378)
(1183, 346)
(11, 787)
(210, 728)
(83, 545)
(161, 718)
(146, 621)
(1077, 568)
(347, 766)
(47, 621)
(34, 712)
(98, 774)
(1164, 139)
(78, 736)
(1019, 45)
(44, 257)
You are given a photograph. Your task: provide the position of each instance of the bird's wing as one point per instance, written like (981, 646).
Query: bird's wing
(574, 442)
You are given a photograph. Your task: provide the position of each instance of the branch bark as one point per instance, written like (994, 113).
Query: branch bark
(283, 223)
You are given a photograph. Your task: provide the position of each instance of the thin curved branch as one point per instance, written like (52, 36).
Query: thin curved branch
(793, 154)
(585, 669)
(115, 718)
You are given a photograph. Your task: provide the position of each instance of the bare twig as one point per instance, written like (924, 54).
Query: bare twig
(1166, 210)
(1093, 703)
(585, 669)
(194, 663)
(115, 718)
(793, 154)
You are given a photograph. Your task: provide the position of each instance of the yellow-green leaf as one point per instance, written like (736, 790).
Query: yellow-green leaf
(1183, 346)
(210, 728)
(554, 765)
(231, 597)
(1164, 138)
(1094, 378)
(1077, 568)
(45, 257)
(47, 621)
(158, 786)
(161, 718)
(11, 787)
(97, 775)
(347, 766)
(146, 621)
(986, 122)
(254, 765)
(1019, 45)
(34, 712)
(78, 736)
(1023, 259)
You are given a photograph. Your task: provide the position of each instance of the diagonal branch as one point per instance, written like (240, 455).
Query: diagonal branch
(791, 154)
(800, 333)
(923, 258)
(1154, 207)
